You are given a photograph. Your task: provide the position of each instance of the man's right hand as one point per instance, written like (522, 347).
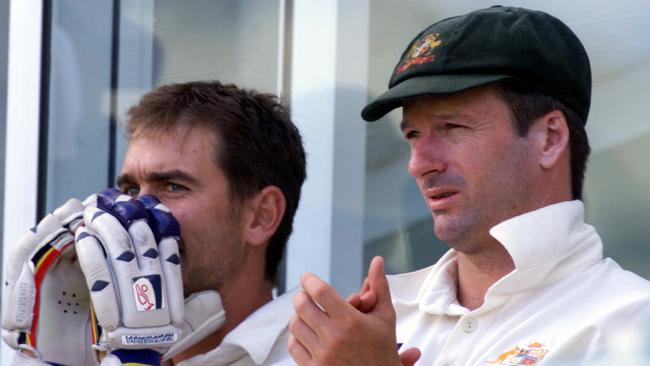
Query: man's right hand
(45, 302)
(327, 330)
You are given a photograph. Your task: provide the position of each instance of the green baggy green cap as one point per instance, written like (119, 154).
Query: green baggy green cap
(488, 45)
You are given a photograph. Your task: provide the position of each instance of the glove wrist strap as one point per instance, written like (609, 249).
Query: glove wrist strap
(137, 356)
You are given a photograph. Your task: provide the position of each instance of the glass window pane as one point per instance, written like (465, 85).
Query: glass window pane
(159, 42)
(233, 41)
(165, 41)
(79, 90)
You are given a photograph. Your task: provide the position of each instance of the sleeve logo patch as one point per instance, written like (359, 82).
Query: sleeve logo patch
(529, 354)
(147, 291)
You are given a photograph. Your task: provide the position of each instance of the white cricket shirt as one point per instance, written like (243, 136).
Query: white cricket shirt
(261, 339)
(562, 305)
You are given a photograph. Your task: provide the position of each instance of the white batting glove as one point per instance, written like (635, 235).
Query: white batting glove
(204, 314)
(45, 302)
(128, 252)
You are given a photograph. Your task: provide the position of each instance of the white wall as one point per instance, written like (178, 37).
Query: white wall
(23, 87)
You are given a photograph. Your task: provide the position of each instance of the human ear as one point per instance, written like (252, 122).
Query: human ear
(552, 131)
(265, 212)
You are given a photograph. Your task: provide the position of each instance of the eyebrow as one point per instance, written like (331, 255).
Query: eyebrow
(442, 116)
(403, 125)
(175, 174)
(124, 179)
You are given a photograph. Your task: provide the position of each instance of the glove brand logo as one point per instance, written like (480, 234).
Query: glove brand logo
(164, 338)
(23, 310)
(148, 293)
(142, 291)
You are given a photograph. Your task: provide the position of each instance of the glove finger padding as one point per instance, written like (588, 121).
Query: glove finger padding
(166, 231)
(98, 275)
(120, 254)
(45, 300)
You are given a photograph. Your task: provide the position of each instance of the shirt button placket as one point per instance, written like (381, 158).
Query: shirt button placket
(469, 325)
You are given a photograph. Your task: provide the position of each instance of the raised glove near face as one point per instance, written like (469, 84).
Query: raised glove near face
(45, 302)
(128, 253)
(204, 314)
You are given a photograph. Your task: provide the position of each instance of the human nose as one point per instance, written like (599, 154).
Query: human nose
(153, 191)
(145, 190)
(427, 156)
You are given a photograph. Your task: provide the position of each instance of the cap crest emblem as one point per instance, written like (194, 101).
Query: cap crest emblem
(421, 52)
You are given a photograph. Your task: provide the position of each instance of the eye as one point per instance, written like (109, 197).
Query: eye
(411, 134)
(174, 188)
(132, 191)
(452, 126)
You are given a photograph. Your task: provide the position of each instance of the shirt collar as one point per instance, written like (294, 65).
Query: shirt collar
(546, 244)
(432, 289)
(539, 243)
(541, 235)
(259, 332)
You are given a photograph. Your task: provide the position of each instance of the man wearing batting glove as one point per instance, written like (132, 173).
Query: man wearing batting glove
(227, 165)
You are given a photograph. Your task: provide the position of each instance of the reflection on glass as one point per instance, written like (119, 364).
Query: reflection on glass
(79, 87)
(159, 42)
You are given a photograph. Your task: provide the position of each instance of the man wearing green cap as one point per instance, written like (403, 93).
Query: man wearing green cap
(494, 109)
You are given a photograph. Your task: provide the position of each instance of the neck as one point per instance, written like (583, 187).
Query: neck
(241, 297)
(478, 271)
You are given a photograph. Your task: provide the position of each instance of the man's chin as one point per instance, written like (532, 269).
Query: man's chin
(448, 231)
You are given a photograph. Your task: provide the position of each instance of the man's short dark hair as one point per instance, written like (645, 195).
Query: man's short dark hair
(528, 105)
(258, 144)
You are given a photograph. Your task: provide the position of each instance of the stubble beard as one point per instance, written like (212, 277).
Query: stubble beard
(465, 228)
(468, 230)
(467, 233)
(212, 270)
(215, 258)
(451, 227)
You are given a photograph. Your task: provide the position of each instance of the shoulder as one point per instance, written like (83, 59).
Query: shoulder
(602, 297)
(279, 354)
(617, 285)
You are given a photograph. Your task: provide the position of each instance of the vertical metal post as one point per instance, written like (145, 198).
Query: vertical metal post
(329, 64)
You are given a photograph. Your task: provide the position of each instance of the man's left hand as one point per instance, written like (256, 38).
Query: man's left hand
(128, 252)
